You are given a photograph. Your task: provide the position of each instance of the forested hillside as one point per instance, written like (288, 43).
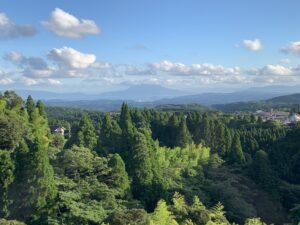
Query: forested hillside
(145, 167)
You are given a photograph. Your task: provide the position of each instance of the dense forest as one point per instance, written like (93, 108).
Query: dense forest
(145, 167)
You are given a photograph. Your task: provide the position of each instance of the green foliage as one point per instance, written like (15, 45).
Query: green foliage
(236, 154)
(262, 171)
(130, 216)
(110, 135)
(30, 106)
(183, 137)
(11, 131)
(141, 169)
(295, 214)
(10, 222)
(84, 197)
(162, 216)
(42, 110)
(114, 167)
(254, 221)
(13, 101)
(58, 141)
(33, 188)
(6, 178)
(118, 177)
(85, 135)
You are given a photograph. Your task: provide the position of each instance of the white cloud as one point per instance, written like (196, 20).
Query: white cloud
(194, 69)
(277, 70)
(54, 82)
(292, 48)
(11, 30)
(253, 45)
(13, 56)
(33, 67)
(37, 73)
(272, 71)
(65, 24)
(285, 61)
(6, 81)
(101, 65)
(71, 58)
(133, 70)
(29, 82)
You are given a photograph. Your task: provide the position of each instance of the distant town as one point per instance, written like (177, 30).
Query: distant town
(281, 116)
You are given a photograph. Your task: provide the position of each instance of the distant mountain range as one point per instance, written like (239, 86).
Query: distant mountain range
(140, 93)
(143, 93)
(153, 95)
(286, 99)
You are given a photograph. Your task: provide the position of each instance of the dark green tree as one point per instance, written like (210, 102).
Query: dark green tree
(30, 106)
(41, 107)
(6, 178)
(262, 170)
(183, 137)
(125, 120)
(127, 132)
(236, 154)
(33, 189)
(110, 135)
(86, 134)
(13, 100)
(118, 177)
(11, 131)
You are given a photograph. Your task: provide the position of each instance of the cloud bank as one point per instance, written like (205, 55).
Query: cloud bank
(66, 25)
(11, 30)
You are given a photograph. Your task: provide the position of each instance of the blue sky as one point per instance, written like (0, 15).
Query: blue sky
(95, 46)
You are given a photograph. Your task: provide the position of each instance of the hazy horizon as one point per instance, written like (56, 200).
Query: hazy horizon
(199, 46)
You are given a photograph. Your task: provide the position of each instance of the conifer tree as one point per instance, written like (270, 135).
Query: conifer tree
(41, 107)
(118, 175)
(6, 178)
(236, 154)
(127, 134)
(206, 130)
(141, 168)
(183, 137)
(86, 134)
(30, 106)
(262, 171)
(172, 131)
(110, 135)
(162, 216)
(228, 140)
(125, 120)
(34, 187)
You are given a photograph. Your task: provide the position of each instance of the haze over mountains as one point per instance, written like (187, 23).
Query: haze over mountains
(146, 95)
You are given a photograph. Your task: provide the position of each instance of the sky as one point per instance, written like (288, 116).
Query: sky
(193, 45)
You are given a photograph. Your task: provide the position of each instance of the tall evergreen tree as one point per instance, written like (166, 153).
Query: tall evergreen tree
(6, 178)
(127, 129)
(162, 216)
(183, 137)
(262, 171)
(236, 154)
(110, 135)
(41, 107)
(140, 169)
(171, 131)
(206, 130)
(118, 176)
(86, 134)
(30, 106)
(125, 120)
(34, 187)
